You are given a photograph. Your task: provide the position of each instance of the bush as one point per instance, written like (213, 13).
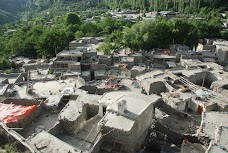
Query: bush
(5, 64)
(10, 148)
(50, 71)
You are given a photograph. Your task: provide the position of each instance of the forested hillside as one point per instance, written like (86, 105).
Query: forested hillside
(9, 9)
(188, 6)
(13, 10)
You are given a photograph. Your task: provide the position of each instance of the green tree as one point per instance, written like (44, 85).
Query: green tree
(106, 48)
(79, 34)
(132, 37)
(184, 32)
(148, 35)
(160, 34)
(5, 63)
(208, 29)
(116, 37)
(51, 42)
(89, 29)
(72, 18)
(224, 34)
(108, 25)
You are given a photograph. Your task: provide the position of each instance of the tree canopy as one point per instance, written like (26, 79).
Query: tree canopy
(188, 6)
(72, 18)
(160, 34)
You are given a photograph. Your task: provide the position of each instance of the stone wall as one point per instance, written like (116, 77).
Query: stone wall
(73, 117)
(210, 78)
(25, 121)
(147, 61)
(161, 105)
(137, 71)
(100, 75)
(94, 67)
(56, 129)
(89, 88)
(212, 107)
(22, 77)
(86, 75)
(197, 78)
(205, 47)
(36, 66)
(24, 102)
(89, 55)
(157, 88)
(137, 59)
(132, 140)
(130, 65)
(101, 91)
(222, 55)
(2, 97)
(11, 137)
(5, 81)
(75, 67)
(97, 146)
(146, 87)
(204, 78)
(173, 136)
(18, 76)
(193, 106)
(106, 61)
(91, 110)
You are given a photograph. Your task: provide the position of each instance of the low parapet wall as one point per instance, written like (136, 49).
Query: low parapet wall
(36, 66)
(24, 121)
(9, 136)
(24, 102)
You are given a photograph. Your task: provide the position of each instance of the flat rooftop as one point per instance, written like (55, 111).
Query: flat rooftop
(11, 77)
(222, 136)
(192, 148)
(45, 142)
(139, 68)
(45, 121)
(221, 83)
(131, 85)
(149, 75)
(211, 120)
(136, 102)
(89, 99)
(44, 89)
(21, 59)
(53, 100)
(162, 56)
(188, 72)
(70, 53)
(116, 121)
(40, 74)
(127, 59)
(216, 149)
(83, 141)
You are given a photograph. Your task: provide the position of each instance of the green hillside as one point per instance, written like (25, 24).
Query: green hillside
(10, 9)
(13, 10)
(189, 6)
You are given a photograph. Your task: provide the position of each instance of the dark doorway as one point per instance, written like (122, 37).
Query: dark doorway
(117, 147)
(104, 110)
